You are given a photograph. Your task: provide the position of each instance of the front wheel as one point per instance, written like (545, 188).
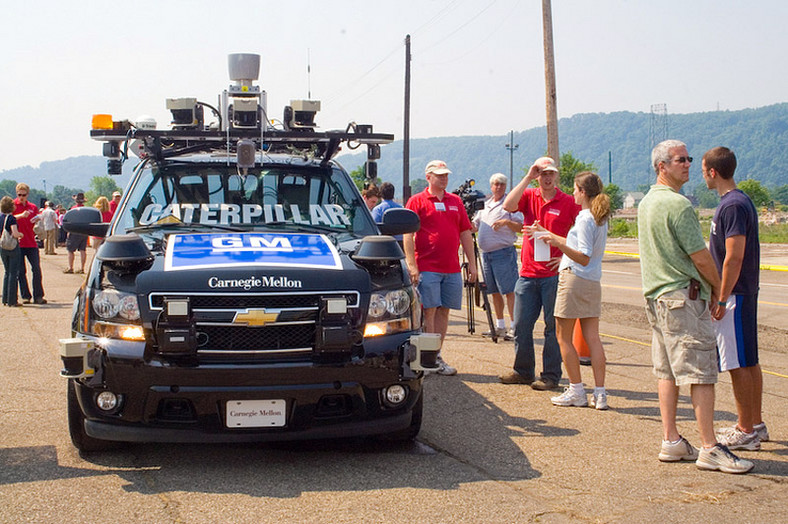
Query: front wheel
(76, 426)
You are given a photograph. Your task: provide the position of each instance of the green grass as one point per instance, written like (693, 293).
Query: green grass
(771, 234)
(622, 228)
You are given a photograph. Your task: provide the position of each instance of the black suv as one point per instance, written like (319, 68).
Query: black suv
(243, 292)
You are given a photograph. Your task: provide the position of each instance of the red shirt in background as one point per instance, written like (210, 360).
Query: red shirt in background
(558, 215)
(24, 224)
(438, 239)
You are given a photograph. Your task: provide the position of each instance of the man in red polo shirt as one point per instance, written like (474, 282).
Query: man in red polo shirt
(538, 283)
(431, 252)
(113, 204)
(26, 214)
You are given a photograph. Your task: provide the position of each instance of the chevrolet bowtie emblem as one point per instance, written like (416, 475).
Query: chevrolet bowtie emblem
(255, 317)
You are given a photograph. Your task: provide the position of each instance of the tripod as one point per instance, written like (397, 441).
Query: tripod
(473, 290)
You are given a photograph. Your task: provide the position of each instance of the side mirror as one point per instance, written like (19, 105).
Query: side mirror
(399, 220)
(85, 221)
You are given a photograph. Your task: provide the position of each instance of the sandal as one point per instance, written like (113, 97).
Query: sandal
(68, 270)
(80, 272)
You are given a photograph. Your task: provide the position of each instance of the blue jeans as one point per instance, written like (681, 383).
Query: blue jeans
(11, 262)
(531, 295)
(35, 267)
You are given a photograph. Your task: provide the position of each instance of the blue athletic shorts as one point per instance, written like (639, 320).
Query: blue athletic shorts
(440, 289)
(737, 333)
(500, 270)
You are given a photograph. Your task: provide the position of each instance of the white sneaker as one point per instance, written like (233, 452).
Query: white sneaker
(681, 450)
(599, 401)
(509, 334)
(499, 333)
(763, 433)
(735, 438)
(570, 398)
(720, 458)
(759, 429)
(445, 369)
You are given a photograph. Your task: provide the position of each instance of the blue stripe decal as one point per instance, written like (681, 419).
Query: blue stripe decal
(289, 250)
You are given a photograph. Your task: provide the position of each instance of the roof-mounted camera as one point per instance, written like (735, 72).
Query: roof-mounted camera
(300, 114)
(243, 104)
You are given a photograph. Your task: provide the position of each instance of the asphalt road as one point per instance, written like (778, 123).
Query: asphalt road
(487, 452)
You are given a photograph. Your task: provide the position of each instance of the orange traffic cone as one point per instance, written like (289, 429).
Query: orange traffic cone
(580, 343)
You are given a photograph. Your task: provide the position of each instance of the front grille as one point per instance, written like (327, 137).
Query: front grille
(290, 336)
(256, 339)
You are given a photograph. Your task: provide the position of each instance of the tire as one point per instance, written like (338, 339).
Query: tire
(76, 426)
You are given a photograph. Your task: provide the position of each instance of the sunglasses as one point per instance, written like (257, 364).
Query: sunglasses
(21, 194)
(682, 159)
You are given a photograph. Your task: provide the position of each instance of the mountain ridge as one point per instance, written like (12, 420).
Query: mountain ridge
(759, 136)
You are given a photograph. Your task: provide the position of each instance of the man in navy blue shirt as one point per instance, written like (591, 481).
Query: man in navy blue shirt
(735, 248)
(387, 192)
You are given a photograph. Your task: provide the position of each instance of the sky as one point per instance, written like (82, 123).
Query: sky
(477, 65)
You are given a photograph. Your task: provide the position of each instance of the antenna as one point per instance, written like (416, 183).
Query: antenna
(308, 74)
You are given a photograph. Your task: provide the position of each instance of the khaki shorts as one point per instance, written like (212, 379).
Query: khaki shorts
(683, 345)
(577, 297)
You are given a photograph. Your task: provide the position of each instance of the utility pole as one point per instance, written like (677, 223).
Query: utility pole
(609, 167)
(406, 130)
(549, 79)
(511, 146)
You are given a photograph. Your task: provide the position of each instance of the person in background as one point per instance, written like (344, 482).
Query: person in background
(536, 287)
(497, 232)
(371, 196)
(387, 193)
(12, 258)
(102, 204)
(77, 242)
(113, 204)
(61, 233)
(49, 218)
(681, 286)
(579, 293)
(26, 214)
(736, 251)
(431, 252)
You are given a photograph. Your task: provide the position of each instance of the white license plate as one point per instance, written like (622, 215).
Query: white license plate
(255, 413)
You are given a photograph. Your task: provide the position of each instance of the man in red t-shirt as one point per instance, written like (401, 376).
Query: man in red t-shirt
(113, 204)
(431, 252)
(26, 214)
(538, 283)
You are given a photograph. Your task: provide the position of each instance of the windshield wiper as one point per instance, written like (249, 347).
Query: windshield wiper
(182, 225)
(305, 228)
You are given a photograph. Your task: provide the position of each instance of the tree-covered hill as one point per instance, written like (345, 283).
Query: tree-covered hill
(758, 136)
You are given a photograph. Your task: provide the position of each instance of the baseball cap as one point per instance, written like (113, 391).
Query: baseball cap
(437, 167)
(546, 163)
(116, 193)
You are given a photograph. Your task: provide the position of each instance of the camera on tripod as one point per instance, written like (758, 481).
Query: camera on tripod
(473, 199)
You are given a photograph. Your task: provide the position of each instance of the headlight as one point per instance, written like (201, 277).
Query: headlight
(116, 314)
(396, 302)
(110, 303)
(389, 312)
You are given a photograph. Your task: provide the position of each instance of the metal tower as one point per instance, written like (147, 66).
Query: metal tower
(658, 127)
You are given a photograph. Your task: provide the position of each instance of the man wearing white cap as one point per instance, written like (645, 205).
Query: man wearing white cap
(538, 282)
(431, 252)
(113, 204)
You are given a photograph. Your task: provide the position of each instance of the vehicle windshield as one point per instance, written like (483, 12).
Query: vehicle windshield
(195, 196)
